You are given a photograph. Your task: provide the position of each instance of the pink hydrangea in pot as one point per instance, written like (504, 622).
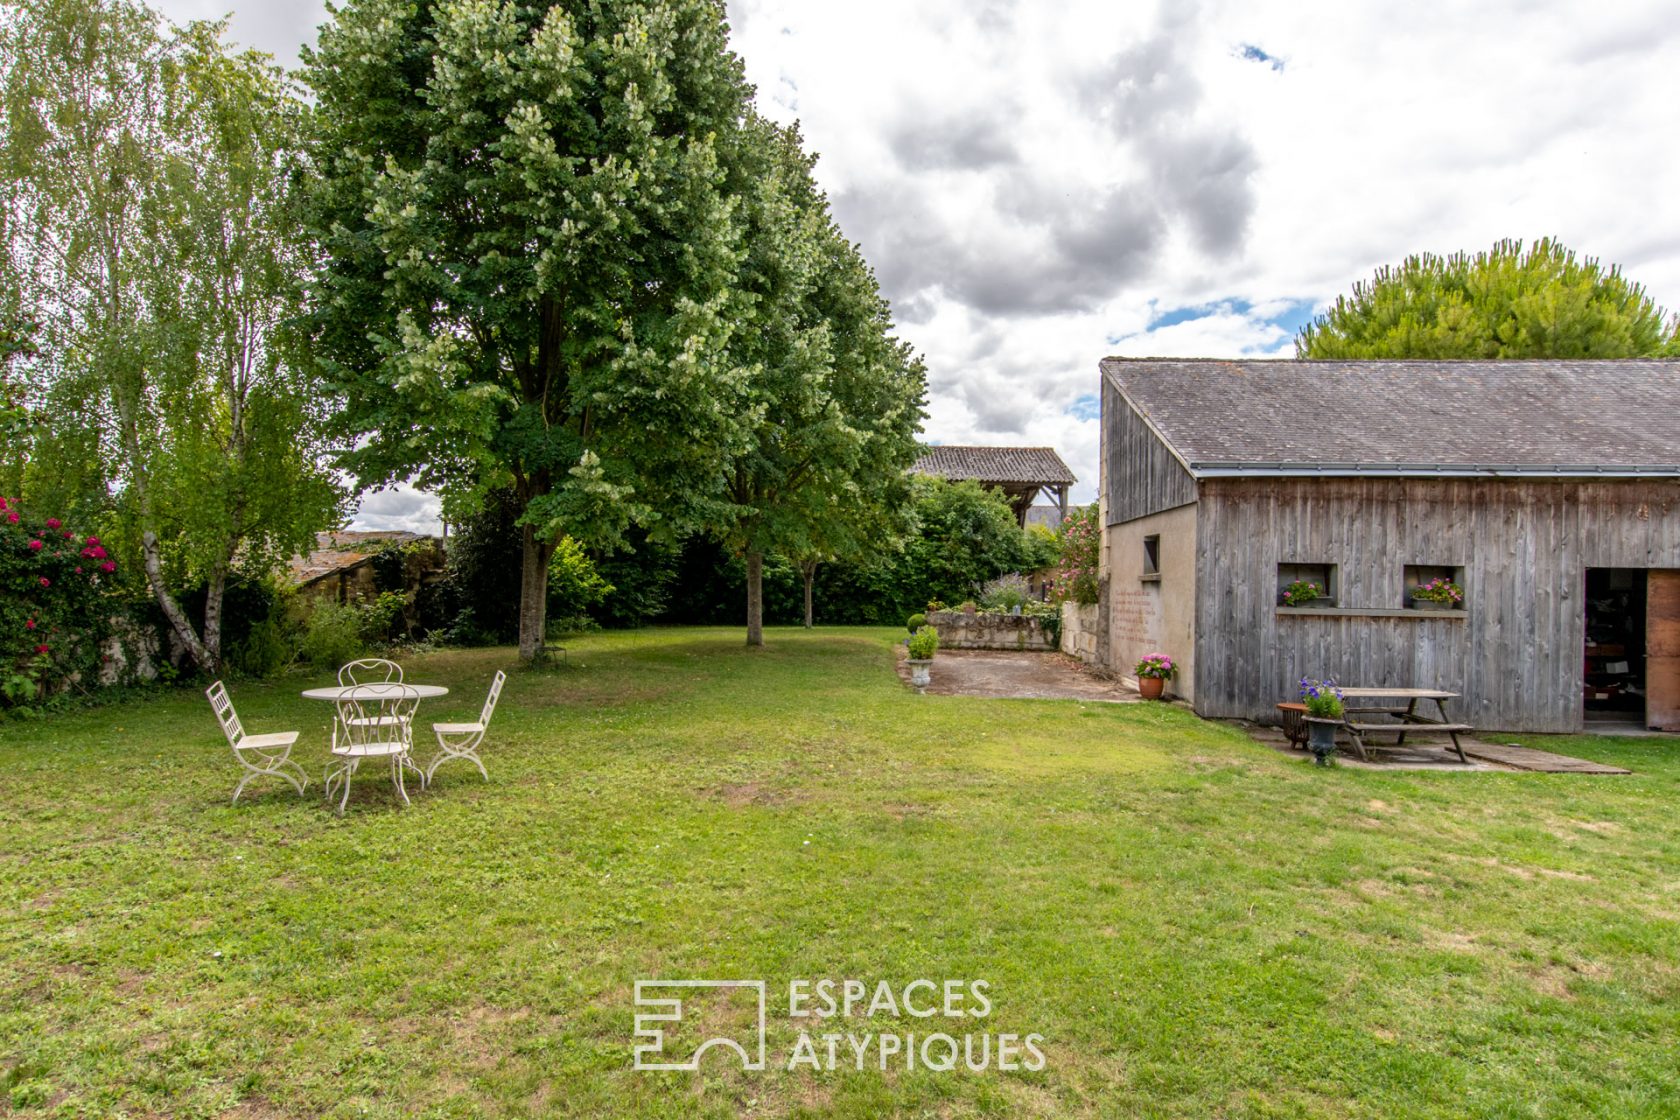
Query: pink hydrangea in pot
(1153, 673)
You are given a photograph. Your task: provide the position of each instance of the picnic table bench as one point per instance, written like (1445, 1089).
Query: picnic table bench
(1401, 718)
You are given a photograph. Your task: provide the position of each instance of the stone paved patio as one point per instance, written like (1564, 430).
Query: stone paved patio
(1018, 676)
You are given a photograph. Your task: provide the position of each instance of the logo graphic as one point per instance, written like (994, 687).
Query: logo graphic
(669, 1009)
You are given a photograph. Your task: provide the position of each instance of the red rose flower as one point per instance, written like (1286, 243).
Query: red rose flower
(54, 523)
(45, 582)
(12, 517)
(29, 624)
(93, 540)
(96, 552)
(34, 546)
(42, 648)
(78, 569)
(108, 566)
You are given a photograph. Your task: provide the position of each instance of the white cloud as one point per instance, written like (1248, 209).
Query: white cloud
(1040, 184)
(400, 507)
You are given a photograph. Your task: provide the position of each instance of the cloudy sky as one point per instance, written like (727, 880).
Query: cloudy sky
(1040, 183)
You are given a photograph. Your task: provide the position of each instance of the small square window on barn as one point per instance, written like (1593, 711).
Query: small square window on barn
(1434, 587)
(1306, 585)
(1152, 557)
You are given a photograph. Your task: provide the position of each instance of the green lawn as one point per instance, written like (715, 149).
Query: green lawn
(1197, 925)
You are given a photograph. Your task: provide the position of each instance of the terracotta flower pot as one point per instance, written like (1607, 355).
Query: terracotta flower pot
(1150, 688)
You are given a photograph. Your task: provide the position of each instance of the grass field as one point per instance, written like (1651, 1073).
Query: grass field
(1196, 925)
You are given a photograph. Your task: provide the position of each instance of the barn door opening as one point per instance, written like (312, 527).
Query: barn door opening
(1662, 648)
(1615, 666)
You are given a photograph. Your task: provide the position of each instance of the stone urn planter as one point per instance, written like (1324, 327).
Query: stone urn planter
(921, 671)
(1151, 688)
(1321, 738)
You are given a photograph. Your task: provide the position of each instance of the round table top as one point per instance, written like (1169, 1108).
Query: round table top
(376, 692)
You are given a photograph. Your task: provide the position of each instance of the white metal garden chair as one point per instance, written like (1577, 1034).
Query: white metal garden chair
(266, 755)
(461, 740)
(375, 721)
(368, 670)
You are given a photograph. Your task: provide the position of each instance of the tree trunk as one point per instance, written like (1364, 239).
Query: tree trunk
(809, 571)
(213, 594)
(533, 596)
(171, 609)
(755, 598)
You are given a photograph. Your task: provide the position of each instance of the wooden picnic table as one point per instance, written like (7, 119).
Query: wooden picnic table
(1402, 718)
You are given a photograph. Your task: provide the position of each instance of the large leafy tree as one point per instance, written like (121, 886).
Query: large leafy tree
(530, 251)
(1508, 302)
(832, 402)
(151, 236)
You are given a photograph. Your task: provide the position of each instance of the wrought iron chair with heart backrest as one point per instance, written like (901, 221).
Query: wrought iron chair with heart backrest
(376, 721)
(367, 670)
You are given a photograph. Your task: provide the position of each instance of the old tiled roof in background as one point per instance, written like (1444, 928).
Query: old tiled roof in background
(1424, 417)
(996, 464)
(344, 549)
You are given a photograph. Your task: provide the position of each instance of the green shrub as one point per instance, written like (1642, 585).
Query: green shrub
(1004, 593)
(915, 622)
(923, 643)
(332, 635)
(267, 650)
(374, 620)
(574, 584)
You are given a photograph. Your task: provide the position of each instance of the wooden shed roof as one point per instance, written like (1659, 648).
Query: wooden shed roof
(996, 464)
(1415, 418)
(344, 549)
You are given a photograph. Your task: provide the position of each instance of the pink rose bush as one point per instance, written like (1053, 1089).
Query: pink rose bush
(1080, 538)
(53, 613)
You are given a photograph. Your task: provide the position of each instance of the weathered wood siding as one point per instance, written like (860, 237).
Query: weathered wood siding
(1516, 655)
(1140, 476)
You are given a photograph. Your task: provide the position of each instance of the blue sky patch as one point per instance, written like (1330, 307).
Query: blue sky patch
(1087, 407)
(1297, 315)
(1254, 54)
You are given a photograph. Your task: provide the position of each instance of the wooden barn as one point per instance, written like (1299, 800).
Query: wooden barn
(1548, 492)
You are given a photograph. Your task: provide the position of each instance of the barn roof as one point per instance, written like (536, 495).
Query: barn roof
(1414, 418)
(996, 464)
(345, 549)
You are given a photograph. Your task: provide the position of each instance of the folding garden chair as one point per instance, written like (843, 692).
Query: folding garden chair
(266, 755)
(375, 721)
(461, 740)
